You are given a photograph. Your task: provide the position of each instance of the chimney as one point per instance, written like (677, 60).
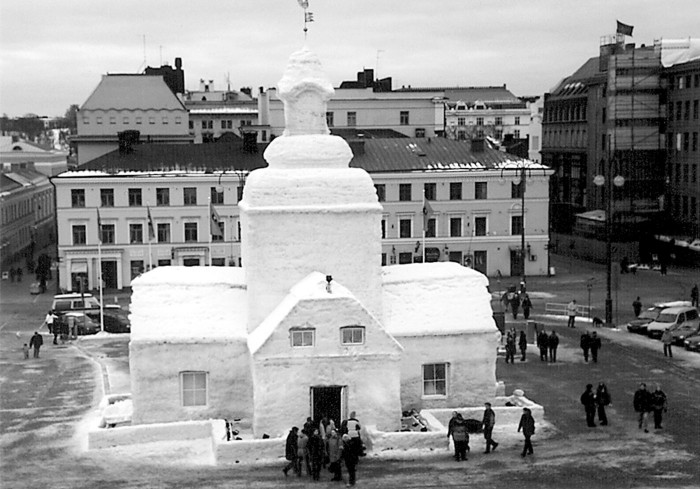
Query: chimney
(127, 141)
(477, 145)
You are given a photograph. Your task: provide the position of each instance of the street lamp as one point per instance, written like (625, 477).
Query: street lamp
(617, 181)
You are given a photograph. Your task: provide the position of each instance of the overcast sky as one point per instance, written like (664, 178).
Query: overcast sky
(53, 53)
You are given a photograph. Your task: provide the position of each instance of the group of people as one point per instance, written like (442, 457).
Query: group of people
(321, 444)
(548, 344)
(590, 342)
(646, 402)
(596, 402)
(516, 300)
(511, 339)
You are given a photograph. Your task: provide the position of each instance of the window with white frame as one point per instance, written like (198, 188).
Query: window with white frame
(190, 232)
(135, 233)
(405, 228)
(302, 337)
(164, 232)
(193, 388)
(352, 335)
(435, 379)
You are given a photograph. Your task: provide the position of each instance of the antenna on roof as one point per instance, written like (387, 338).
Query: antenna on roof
(143, 64)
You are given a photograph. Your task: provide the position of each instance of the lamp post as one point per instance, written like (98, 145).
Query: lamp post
(618, 181)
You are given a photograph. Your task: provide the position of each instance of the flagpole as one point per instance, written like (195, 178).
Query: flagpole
(99, 276)
(149, 225)
(209, 215)
(425, 219)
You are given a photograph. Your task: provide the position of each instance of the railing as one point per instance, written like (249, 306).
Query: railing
(559, 309)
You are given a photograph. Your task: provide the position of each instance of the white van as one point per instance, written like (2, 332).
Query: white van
(63, 303)
(671, 318)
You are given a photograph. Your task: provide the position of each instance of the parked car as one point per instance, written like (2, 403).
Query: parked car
(84, 324)
(114, 322)
(689, 328)
(671, 318)
(639, 325)
(692, 343)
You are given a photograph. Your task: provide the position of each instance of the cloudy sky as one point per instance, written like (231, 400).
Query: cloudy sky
(53, 53)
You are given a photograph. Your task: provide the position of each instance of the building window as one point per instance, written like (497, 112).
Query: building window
(352, 118)
(164, 120)
(151, 120)
(136, 268)
(517, 120)
(498, 134)
(430, 191)
(455, 190)
(405, 192)
(193, 388)
(178, 119)
(134, 197)
(352, 335)
(516, 190)
(405, 228)
(217, 196)
(164, 263)
(239, 193)
(107, 197)
(381, 192)
(162, 196)
(686, 113)
(499, 120)
(329, 119)
(479, 226)
(479, 121)
(686, 141)
(516, 133)
(223, 124)
(125, 120)
(139, 120)
(302, 337)
(98, 119)
(383, 228)
(679, 110)
(204, 124)
(430, 230)
(403, 118)
(420, 132)
(480, 191)
(405, 258)
(107, 233)
(164, 232)
(695, 141)
(190, 232)
(79, 235)
(461, 121)
(435, 379)
(136, 233)
(516, 225)
(86, 120)
(189, 195)
(77, 197)
(455, 227)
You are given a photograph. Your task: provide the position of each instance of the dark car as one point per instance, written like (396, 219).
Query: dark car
(692, 343)
(114, 322)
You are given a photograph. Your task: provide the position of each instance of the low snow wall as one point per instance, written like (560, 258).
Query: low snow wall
(505, 415)
(249, 451)
(132, 435)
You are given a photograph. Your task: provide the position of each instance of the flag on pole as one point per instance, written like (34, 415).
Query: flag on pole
(303, 3)
(99, 226)
(427, 212)
(151, 228)
(215, 219)
(308, 17)
(624, 29)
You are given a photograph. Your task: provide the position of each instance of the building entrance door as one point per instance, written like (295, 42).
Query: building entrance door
(109, 274)
(328, 401)
(516, 263)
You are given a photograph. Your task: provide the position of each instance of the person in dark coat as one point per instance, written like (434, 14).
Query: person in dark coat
(457, 428)
(642, 405)
(515, 305)
(595, 346)
(585, 345)
(637, 307)
(527, 425)
(543, 343)
(694, 296)
(602, 399)
(553, 344)
(334, 452)
(317, 452)
(350, 457)
(36, 341)
(658, 405)
(589, 405)
(510, 348)
(290, 450)
(489, 422)
(526, 305)
(522, 343)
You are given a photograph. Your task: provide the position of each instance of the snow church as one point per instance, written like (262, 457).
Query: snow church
(301, 330)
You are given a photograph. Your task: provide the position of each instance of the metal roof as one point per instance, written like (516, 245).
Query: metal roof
(132, 92)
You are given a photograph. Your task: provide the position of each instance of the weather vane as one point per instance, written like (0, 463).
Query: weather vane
(308, 16)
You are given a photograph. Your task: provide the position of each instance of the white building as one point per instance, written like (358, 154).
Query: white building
(129, 103)
(281, 339)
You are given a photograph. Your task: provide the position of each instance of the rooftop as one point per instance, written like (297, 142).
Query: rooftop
(132, 92)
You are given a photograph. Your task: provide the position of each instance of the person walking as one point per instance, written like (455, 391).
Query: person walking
(637, 307)
(489, 422)
(522, 343)
(334, 450)
(527, 425)
(303, 453)
(457, 428)
(595, 346)
(543, 344)
(695, 296)
(351, 427)
(526, 305)
(642, 405)
(25, 351)
(553, 344)
(602, 399)
(658, 406)
(290, 450)
(36, 341)
(350, 457)
(589, 405)
(585, 345)
(515, 304)
(571, 310)
(667, 340)
(52, 326)
(510, 348)
(317, 452)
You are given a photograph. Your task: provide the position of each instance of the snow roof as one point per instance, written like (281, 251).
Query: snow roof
(678, 51)
(132, 92)
(223, 110)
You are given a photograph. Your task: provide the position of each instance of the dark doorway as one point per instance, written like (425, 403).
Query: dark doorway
(516, 263)
(327, 401)
(109, 274)
(190, 262)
